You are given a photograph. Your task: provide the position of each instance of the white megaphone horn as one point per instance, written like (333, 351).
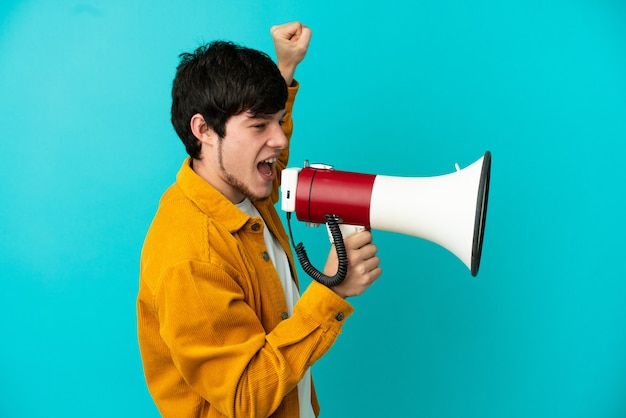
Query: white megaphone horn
(449, 210)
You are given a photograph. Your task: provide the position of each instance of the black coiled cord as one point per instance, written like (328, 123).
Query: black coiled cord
(342, 255)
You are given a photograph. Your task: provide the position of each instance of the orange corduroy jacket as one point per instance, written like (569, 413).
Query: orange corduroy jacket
(213, 332)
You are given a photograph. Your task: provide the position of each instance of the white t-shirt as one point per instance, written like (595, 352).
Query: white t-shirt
(281, 263)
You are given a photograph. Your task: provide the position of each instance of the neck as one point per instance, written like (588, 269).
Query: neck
(207, 172)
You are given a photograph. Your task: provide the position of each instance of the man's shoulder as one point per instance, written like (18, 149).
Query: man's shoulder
(176, 229)
(183, 230)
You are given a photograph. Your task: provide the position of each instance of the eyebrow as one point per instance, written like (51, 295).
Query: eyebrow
(266, 116)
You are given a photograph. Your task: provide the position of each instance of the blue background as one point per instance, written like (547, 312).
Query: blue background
(397, 88)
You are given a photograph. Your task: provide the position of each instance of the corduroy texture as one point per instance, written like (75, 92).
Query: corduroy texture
(210, 307)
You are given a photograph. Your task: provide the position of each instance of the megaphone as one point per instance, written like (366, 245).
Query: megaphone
(449, 210)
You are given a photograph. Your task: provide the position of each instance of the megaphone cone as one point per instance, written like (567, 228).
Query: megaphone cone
(449, 210)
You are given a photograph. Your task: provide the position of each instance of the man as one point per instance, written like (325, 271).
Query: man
(223, 330)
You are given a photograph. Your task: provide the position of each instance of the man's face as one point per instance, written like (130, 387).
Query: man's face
(247, 155)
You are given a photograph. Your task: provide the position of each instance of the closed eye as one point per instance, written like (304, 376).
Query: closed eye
(261, 122)
(263, 125)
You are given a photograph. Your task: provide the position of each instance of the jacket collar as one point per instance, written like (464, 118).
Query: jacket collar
(209, 200)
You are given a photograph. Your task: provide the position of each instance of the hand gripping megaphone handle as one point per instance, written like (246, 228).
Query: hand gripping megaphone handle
(332, 223)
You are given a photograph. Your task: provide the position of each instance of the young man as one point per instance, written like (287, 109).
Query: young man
(223, 330)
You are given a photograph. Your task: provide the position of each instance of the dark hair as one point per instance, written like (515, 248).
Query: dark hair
(220, 80)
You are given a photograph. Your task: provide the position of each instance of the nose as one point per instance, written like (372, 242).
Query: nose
(278, 139)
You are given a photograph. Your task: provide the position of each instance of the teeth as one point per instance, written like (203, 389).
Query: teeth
(271, 160)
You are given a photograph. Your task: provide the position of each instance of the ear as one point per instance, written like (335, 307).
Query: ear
(201, 130)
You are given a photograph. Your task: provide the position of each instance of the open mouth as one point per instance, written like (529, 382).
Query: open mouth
(266, 167)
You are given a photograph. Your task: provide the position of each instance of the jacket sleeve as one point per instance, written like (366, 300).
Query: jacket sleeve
(222, 350)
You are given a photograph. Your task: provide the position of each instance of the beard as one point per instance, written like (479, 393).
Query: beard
(233, 181)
